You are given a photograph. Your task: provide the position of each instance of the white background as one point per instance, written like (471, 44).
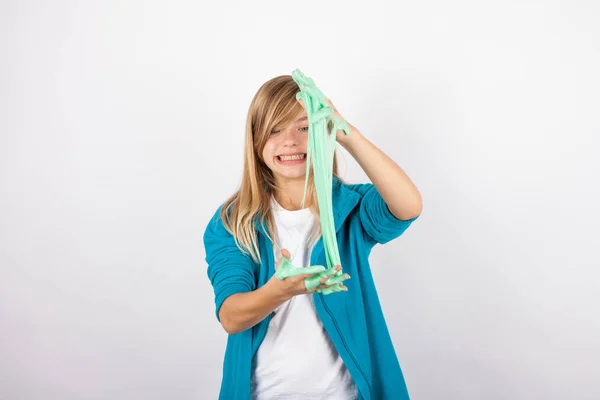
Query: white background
(122, 128)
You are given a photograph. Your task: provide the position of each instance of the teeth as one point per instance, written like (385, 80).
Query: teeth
(288, 158)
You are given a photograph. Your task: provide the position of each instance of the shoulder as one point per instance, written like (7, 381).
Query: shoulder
(215, 226)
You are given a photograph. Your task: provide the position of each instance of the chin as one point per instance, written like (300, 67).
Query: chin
(293, 176)
(289, 175)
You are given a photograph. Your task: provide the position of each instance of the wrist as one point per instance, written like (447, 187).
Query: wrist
(349, 142)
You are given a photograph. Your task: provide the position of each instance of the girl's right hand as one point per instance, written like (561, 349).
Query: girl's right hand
(294, 284)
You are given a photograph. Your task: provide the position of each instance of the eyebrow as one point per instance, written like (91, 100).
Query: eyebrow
(302, 119)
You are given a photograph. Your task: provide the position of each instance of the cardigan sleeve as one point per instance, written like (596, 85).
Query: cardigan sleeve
(378, 222)
(229, 270)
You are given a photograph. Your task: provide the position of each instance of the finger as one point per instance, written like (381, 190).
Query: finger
(284, 253)
(337, 287)
(337, 279)
(334, 285)
(330, 104)
(303, 276)
(312, 283)
(331, 272)
(304, 273)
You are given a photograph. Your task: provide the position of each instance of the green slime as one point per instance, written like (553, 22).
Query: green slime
(321, 149)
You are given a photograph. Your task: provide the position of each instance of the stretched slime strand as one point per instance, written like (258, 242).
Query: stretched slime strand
(321, 149)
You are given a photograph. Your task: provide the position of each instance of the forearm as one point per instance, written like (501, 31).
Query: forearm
(397, 190)
(244, 310)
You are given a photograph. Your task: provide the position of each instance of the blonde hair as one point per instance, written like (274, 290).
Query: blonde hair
(273, 105)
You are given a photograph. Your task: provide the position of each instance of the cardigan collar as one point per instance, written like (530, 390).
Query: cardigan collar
(343, 200)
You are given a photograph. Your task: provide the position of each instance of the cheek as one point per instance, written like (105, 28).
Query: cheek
(268, 153)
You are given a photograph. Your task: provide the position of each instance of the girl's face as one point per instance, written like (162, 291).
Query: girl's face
(285, 150)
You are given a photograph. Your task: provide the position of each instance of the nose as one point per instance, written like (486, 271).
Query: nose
(289, 138)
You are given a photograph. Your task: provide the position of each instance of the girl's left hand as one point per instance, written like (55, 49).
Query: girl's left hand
(340, 134)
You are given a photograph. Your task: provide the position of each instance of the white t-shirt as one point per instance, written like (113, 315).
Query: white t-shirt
(297, 359)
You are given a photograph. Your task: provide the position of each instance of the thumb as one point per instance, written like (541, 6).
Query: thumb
(284, 253)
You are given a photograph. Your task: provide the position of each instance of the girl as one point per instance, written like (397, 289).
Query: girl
(286, 342)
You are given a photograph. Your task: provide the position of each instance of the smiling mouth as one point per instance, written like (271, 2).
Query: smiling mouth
(291, 160)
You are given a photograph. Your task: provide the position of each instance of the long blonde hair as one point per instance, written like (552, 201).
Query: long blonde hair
(273, 105)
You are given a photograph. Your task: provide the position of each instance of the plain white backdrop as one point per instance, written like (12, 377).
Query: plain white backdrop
(121, 131)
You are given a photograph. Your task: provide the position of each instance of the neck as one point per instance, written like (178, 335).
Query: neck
(290, 195)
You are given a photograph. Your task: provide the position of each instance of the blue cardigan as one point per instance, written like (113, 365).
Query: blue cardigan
(354, 319)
